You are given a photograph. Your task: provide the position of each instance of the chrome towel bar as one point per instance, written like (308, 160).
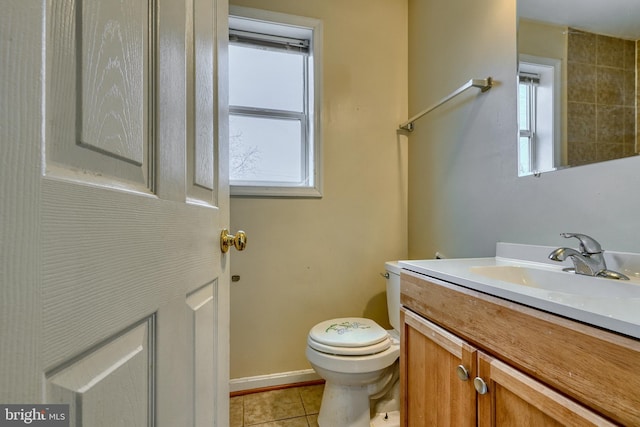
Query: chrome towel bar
(483, 84)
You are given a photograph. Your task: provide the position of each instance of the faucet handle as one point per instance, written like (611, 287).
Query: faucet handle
(588, 244)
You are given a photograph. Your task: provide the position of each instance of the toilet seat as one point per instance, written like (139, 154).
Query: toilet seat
(349, 336)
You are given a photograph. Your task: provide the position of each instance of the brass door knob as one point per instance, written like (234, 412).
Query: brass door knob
(239, 240)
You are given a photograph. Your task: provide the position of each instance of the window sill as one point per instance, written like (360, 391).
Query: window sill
(289, 192)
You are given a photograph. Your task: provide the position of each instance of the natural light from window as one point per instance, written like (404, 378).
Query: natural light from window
(273, 136)
(539, 145)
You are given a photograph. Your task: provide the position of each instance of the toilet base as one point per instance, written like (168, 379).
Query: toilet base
(344, 406)
(356, 405)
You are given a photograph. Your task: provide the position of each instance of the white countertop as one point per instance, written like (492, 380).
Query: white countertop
(616, 313)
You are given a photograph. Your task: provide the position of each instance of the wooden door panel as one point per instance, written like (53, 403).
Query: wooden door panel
(201, 314)
(113, 257)
(514, 398)
(113, 48)
(118, 295)
(202, 138)
(433, 394)
(516, 410)
(112, 384)
(99, 92)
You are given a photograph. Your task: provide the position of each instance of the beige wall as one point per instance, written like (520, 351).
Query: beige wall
(453, 179)
(464, 194)
(542, 39)
(309, 260)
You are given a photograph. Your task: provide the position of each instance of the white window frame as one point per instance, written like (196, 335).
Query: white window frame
(527, 110)
(256, 20)
(544, 133)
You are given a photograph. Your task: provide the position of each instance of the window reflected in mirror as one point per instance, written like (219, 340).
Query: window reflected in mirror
(539, 148)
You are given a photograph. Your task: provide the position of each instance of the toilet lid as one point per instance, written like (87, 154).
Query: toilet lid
(350, 351)
(348, 332)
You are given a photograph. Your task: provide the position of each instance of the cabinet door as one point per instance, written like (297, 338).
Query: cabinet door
(512, 398)
(435, 390)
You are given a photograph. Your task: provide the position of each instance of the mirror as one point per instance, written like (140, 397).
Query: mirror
(578, 82)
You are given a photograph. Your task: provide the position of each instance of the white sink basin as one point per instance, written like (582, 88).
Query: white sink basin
(523, 274)
(560, 281)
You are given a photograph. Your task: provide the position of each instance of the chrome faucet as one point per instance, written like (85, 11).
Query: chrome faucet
(588, 260)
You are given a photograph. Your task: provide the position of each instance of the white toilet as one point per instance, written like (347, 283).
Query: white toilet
(358, 359)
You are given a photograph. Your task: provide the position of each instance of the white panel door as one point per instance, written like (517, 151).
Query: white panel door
(113, 192)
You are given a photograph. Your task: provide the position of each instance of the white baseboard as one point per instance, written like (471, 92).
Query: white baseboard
(262, 381)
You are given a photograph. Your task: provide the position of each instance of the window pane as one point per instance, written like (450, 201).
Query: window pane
(524, 156)
(265, 149)
(266, 78)
(523, 106)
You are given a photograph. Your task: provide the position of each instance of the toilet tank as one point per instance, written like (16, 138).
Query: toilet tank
(393, 293)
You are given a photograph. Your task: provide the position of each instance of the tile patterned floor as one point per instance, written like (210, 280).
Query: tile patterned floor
(292, 407)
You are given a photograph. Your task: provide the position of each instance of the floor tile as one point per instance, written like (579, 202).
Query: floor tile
(291, 422)
(292, 407)
(311, 398)
(272, 406)
(236, 411)
(312, 420)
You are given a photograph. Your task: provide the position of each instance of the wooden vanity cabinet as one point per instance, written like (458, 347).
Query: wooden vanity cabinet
(515, 399)
(431, 391)
(539, 369)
